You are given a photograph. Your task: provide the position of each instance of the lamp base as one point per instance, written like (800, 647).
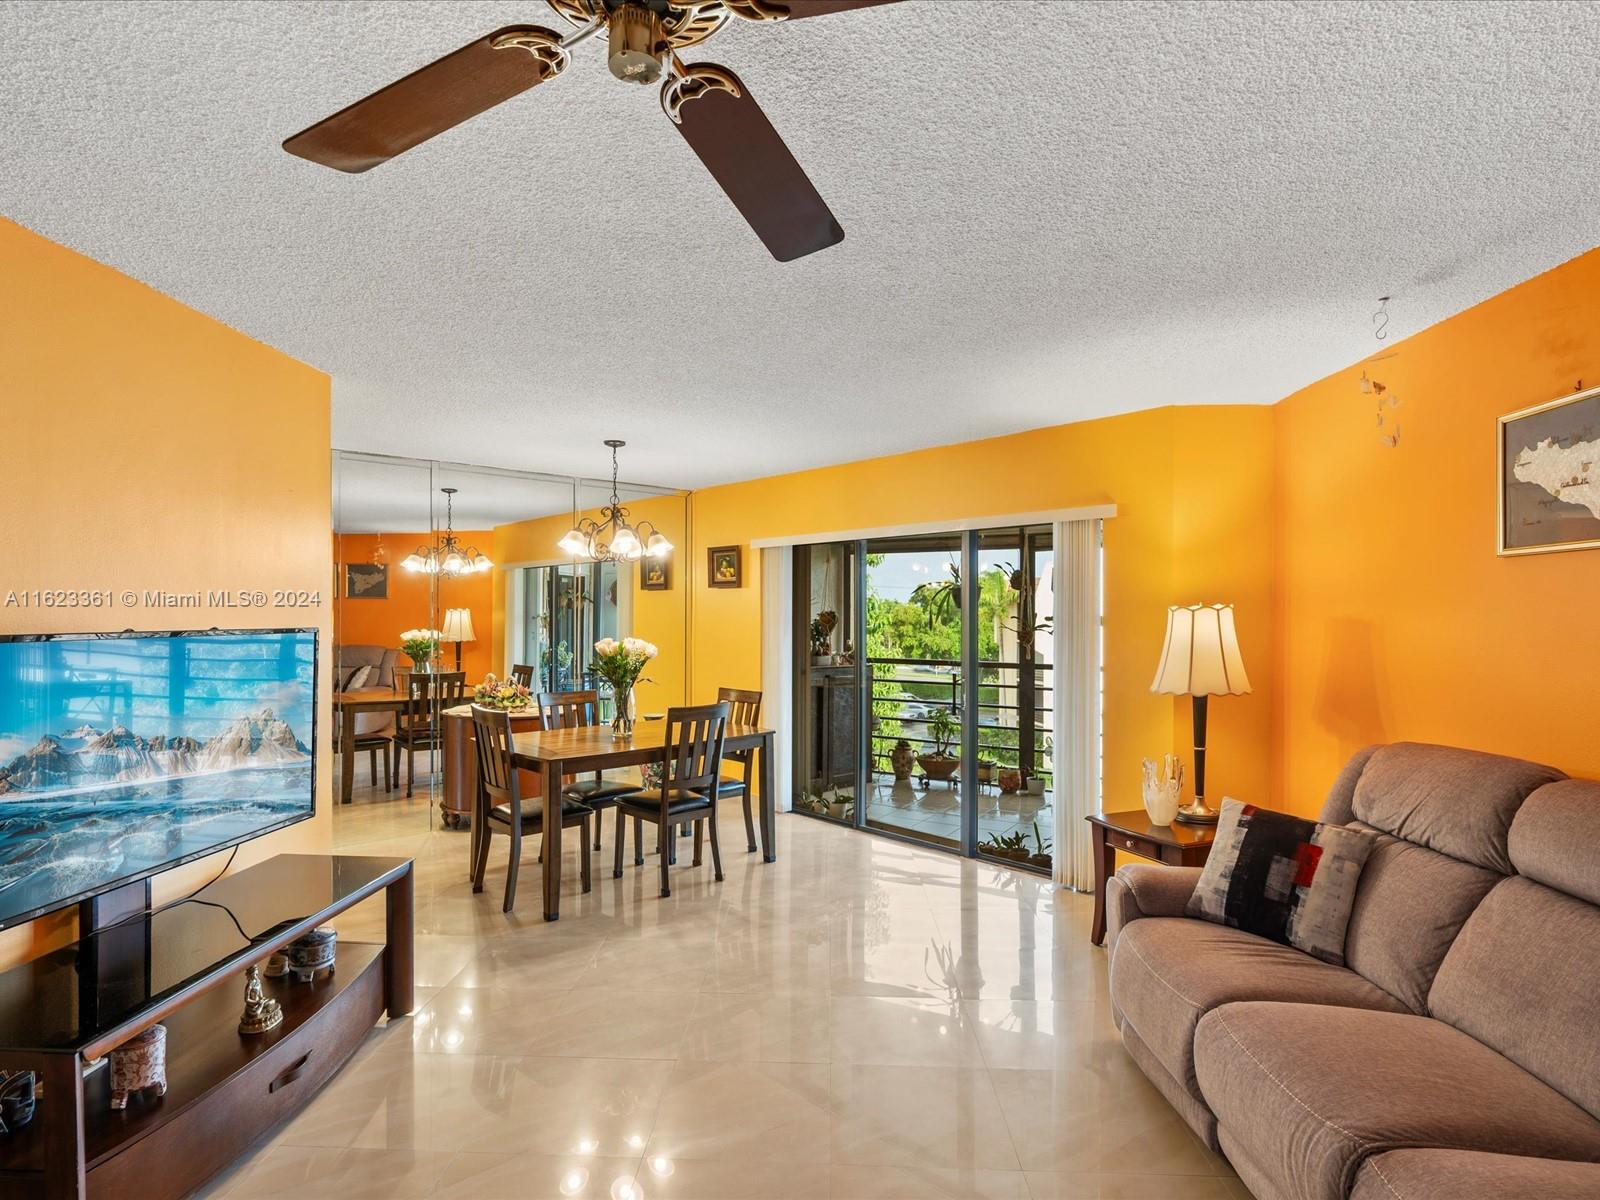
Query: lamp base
(1197, 812)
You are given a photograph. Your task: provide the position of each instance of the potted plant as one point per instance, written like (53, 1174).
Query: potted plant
(1010, 780)
(1013, 846)
(420, 645)
(987, 769)
(940, 764)
(1041, 851)
(822, 637)
(838, 807)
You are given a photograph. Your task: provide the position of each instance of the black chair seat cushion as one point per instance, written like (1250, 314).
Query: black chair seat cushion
(730, 787)
(592, 791)
(649, 803)
(533, 811)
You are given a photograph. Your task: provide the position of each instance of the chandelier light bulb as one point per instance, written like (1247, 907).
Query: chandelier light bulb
(625, 543)
(657, 546)
(575, 544)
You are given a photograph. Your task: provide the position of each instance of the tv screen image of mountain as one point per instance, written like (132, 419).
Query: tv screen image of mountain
(125, 754)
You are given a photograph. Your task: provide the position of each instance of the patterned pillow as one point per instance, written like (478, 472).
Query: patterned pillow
(1282, 877)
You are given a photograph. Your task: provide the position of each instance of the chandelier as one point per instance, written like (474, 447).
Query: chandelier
(449, 557)
(613, 539)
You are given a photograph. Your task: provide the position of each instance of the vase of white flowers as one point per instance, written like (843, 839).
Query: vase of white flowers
(621, 664)
(420, 645)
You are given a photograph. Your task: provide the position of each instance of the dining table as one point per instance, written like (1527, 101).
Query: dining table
(557, 753)
(349, 706)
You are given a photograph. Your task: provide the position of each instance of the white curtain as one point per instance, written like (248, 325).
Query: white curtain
(1076, 757)
(777, 657)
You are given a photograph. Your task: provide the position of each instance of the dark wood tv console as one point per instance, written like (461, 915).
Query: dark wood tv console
(183, 967)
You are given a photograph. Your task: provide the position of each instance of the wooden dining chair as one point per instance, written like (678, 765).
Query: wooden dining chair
(418, 726)
(576, 710)
(502, 808)
(523, 673)
(744, 708)
(691, 765)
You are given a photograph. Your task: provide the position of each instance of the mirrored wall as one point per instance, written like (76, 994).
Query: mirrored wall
(446, 574)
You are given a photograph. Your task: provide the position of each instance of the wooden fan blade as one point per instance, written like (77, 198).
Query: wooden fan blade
(793, 10)
(428, 101)
(724, 125)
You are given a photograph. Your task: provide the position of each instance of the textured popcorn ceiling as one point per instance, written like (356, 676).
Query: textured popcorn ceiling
(1053, 211)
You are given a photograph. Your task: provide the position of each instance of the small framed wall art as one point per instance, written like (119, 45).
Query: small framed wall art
(725, 567)
(655, 575)
(1549, 482)
(366, 581)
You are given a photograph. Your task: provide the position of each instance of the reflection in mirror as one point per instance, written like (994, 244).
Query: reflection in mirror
(533, 611)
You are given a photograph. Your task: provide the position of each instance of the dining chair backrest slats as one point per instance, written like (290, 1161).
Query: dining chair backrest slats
(523, 673)
(569, 710)
(692, 746)
(491, 729)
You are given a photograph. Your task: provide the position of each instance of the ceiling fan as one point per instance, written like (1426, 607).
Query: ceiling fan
(709, 104)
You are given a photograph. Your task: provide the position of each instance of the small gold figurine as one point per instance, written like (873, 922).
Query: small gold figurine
(261, 1013)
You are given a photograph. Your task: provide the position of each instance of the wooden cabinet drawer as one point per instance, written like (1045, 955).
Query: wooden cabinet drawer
(217, 1125)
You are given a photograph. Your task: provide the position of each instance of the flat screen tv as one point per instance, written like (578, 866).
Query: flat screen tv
(125, 754)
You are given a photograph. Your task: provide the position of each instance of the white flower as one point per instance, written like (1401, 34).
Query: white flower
(606, 646)
(650, 650)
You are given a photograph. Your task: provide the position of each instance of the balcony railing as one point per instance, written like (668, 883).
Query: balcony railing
(1030, 725)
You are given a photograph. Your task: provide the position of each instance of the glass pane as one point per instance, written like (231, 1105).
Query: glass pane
(1015, 649)
(828, 702)
(913, 622)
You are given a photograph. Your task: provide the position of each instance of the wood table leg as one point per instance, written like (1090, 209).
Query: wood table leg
(398, 955)
(63, 1127)
(1105, 860)
(552, 841)
(347, 755)
(769, 803)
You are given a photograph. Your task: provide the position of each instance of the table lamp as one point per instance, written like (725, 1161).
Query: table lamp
(458, 629)
(1200, 659)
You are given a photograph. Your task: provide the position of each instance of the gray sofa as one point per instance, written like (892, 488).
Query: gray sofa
(1455, 1057)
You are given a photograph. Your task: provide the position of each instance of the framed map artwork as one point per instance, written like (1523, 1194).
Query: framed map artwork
(1550, 476)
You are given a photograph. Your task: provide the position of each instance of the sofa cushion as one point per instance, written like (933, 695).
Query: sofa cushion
(1469, 1175)
(1187, 1102)
(1282, 877)
(1458, 802)
(1309, 1091)
(1338, 807)
(1524, 977)
(1410, 905)
(1167, 973)
(1554, 835)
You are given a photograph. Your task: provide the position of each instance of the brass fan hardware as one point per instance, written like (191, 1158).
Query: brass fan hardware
(725, 127)
(544, 44)
(637, 44)
(692, 82)
(758, 10)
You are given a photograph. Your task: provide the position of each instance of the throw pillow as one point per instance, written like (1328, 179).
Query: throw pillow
(1283, 878)
(358, 679)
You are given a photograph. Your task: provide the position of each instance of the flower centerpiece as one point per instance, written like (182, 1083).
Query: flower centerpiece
(420, 645)
(621, 664)
(505, 694)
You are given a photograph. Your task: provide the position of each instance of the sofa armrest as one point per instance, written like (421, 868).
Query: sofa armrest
(1147, 890)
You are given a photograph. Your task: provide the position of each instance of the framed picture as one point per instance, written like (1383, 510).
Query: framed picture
(655, 574)
(1550, 476)
(366, 581)
(725, 567)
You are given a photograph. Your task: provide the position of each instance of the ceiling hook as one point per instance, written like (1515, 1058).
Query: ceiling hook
(1380, 318)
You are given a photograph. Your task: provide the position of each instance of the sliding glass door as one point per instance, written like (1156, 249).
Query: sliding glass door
(923, 694)
(567, 608)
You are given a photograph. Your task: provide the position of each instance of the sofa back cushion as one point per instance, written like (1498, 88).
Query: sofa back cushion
(1555, 839)
(382, 660)
(1458, 802)
(1410, 905)
(1521, 978)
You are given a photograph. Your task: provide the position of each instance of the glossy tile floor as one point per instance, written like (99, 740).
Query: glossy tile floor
(859, 1019)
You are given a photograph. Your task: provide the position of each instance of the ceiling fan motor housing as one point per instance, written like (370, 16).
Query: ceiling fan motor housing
(638, 44)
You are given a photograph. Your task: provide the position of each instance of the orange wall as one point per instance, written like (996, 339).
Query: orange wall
(408, 606)
(1396, 620)
(152, 447)
(1192, 488)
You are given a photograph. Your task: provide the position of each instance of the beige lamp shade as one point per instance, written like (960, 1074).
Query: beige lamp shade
(458, 625)
(1201, 656)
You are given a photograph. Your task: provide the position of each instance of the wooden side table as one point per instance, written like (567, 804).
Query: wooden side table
(1176, 845)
